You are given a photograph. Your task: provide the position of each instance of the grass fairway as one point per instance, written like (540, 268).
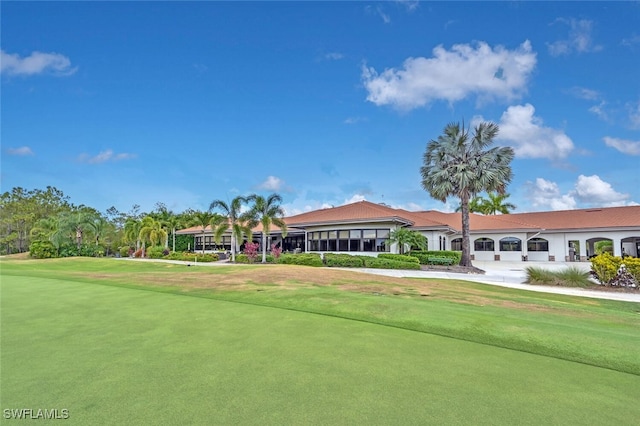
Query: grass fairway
(118, 342)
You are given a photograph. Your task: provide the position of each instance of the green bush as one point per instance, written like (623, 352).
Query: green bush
(124, 251)
(42, 250)
(374, 262)
(192, 257)
(343, 260)
(605, 267)
(306, 259)
(243, 258)
(156, 252)
(400, 257)
(423, 255)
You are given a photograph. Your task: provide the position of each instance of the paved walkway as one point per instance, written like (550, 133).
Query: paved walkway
(504, 274)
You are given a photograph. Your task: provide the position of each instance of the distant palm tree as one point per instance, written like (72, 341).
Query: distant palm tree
(496, 204)
(151, 230)
(267, 211)
(204, 219)
(406, 238)
(462, 165)
(475, 205)
(235, 219)
(132, 228)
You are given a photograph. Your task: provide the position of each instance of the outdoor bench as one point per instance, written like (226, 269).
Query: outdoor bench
(439, 260)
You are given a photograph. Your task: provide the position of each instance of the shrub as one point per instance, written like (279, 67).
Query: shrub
(374, 262)
(192, 257)
(400, 257)
(276, 251)
(343, 260)
(605, 267)
(138, 253)
(156, 252)
(306, 259)
(42, 250)
(251, 251)
(125, 251)
(243, 258)
(424, 255)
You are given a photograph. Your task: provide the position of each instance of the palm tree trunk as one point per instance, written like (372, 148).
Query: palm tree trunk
(465, 260)
(264, 248)
(233, 247)
(174, 239)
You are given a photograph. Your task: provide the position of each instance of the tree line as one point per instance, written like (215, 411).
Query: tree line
(46, 222)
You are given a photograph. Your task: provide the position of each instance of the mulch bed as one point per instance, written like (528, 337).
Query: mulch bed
(457, 269)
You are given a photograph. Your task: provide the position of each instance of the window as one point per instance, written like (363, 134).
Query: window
(483, 244)
(510, 244)
(349, 240)
(538, 244)
(456, 244)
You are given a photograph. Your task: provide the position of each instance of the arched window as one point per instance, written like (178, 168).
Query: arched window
(537, 244)
(456, 244)
(483, 244)
(510, 244)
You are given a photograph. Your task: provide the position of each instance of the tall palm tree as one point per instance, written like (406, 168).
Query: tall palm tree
(77, 223)
(496, 204)
(267, 211)
(235, 219)
(462, 165)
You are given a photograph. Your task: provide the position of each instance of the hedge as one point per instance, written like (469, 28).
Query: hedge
(243, 258)
(400, 257)
(374, 262)
(305, 259)
(424, 255)
(605, 267)
(343, 260)
(193, 257)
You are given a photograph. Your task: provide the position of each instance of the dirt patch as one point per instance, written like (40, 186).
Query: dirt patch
(456, 269)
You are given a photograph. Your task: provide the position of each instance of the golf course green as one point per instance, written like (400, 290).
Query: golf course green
(117, 342)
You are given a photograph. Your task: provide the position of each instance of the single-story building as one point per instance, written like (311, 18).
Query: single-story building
(364, 227)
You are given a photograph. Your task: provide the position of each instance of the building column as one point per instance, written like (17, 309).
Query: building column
(617, 246)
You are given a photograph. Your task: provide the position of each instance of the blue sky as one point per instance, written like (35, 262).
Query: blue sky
(123, 103)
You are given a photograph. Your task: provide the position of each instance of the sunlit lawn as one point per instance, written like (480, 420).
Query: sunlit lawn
(119, 342)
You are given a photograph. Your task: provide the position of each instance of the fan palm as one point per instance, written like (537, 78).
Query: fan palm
(462, 165)
(267, 211)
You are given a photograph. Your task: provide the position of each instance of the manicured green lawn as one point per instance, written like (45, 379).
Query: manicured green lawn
(120, 354)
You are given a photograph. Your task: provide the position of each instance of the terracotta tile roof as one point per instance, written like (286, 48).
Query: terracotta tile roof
(361, 211)
(365, 211)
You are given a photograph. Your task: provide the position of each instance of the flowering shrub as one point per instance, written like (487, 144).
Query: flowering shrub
(275, 251)
(606, 268)
(138, 253)
(251, 250)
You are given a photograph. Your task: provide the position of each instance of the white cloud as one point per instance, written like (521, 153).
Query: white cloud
(584, 93)
(600, 111)
(354, 120)
(593, 190)
(623, 145)
(546, 194)
(579, 39)
(632, 41)
(497, 73)
(105, 156)
(528, 136)
(36, 63)
(410, 5)
(273, 183)
(333, 56)
(354, 199)
(23, 150)
(634, 115)
(588, 190)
